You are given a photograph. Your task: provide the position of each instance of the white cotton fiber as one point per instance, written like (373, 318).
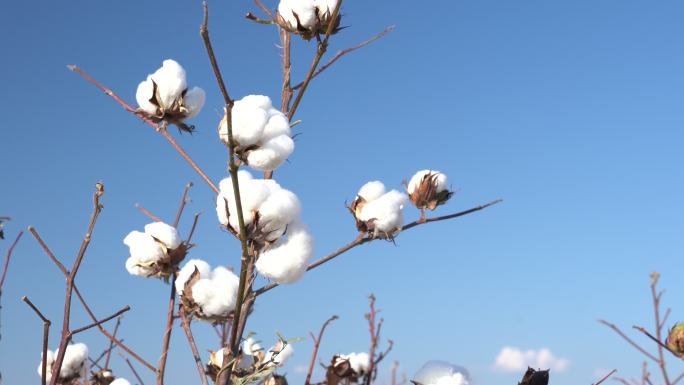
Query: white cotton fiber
(371, 190)
(184, 274)
(304, 10)
(166, 234)
(385, 213)
(287, 259)
(248, 120)
(72, 365)
(277, 124)
(325, 7)
(194, 101)
(259, 101)
(359, 362)
(253, 192)
(280, 209)
(144, 251)
(278, 355)
(120, 381)
(251, 348)
(440, 180)
(271, 154)
(217, 295)
(144, 94)
(170, 80)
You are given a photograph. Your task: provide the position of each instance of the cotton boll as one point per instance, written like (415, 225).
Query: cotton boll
(286, 260)
(454, 379)
(171, 83)
(120, 381)
(216, 296)
(252, 193)
(440, 180)
(281, 208)
(72, 365)
(278, 124)
(194, 101)
(168, 235)
(278, 354)
(304, 10)
(248, 123)
(258, 101)
(385, 213)
(144, 94)
(359, 362)
(144, 251)
(251, 348)
(371, 191)
(202, 267)
(50, 359)
(271, 154)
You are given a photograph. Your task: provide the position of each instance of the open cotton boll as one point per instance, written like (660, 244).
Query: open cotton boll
(120, 381)
(440, 180)
(385, 213)
(271, 154)
(144, 251)
(194, 101)
(72, 365)
(371, 190)
(253, 192)
(171, 83)
(258, 101)
(251, 348)
(280, 209)
(359, 362)
(304, 10)
(216, 296)
(184, 274)
(286, 260)
(144, 94)
(278, 124)
(50, 359)
(325, 6)
(248, 120)
(166, 234)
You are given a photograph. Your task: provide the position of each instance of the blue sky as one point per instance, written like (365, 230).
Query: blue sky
(569, 111)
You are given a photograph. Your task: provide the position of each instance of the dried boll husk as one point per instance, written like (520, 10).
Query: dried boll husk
(307, 29)
(102, 377)
(675, 339)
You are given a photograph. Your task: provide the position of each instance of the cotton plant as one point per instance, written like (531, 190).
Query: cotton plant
(73, 366)
(274, 228)
(156, 252)
(205, 293)
(378, 212)
(428, 189)
(308, 18)
(441, 373)
(165, 96)
(261, 133)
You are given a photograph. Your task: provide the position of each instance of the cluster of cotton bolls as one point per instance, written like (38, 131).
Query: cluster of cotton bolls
(261, 133)
(441, 373)
(165, 94)
(378, 212)
(210, 294)
(72, 365)
(428, 189)
(155, 252)
(271, 215)
(304, 16)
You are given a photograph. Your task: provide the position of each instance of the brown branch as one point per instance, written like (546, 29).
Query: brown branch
(605, 377)
(656, 313)
(182, 204)
(320, 51)
(66, 333)
(64, 271)
(204, 32)
(622, 380)
(665, 317)
(264, 8)
(149, 122)
(7, 259)
(374, 336)
(191, 341)
(383, 355)
(100, 322)
(192, 229)
(130, 365)
(317, 344)
(345, 51)
(629, 340)
(362, 238)
(147, 212)
(111, 344)
(46, 334)
(169, 327)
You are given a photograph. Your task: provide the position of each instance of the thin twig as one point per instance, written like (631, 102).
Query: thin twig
(130, 365)
(149, 122)
(192, 229)
(374, 336)
(265, 9)
(656, 313)
(204, 32)
(191, 341)
(167, 332)
(605, 377)
(657, 341)
(362, 238)
(345, 51)
(147, 212)
(46, 334)
(679, 378)
(111, 344)
(629, 340)
(5, 266)
(100, 322)
(665, 317)
(182, 204)
(317, 344)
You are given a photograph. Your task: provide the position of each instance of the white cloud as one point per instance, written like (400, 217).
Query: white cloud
(512, 359)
